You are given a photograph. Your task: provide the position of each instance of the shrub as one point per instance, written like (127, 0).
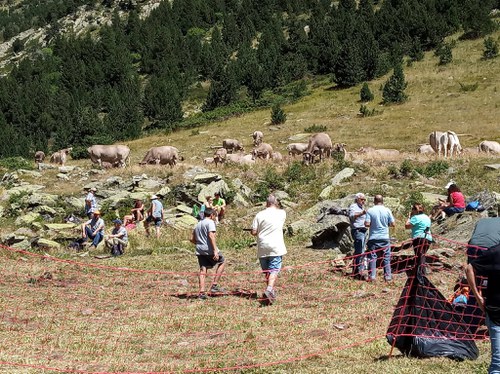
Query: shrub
(414, 197)
(468, 87)
(434, 168)
(490, 48)
(406, 169)
(444, 52)
(364, 111)
(271, 181)
(14, 163)
(297, 172)
(278, 115)
(78, 153)
(365, 94)
(315, 128)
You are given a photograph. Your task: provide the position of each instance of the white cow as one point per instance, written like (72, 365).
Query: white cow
(450, 144)
(257, 138)
(489, 146)
(434, 138)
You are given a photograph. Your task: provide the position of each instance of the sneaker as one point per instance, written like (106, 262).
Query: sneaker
(216, 289)
(388, 279)
(270, 295)
(202, 296)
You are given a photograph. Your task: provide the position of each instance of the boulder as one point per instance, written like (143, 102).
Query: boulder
(63, 176)
(66, 169)
(43, 166)
(114, 199)
(44, 209)
(242, 188)
(77, 204)
(27, 219)
(24, 189)
(31, 173)
(46, 244)
(164, 191)
(13, 238)
(341, 176)
(184, 208)
(432, 198)
(37, 199)
(24, 245)
(212, 188)
(193, 172)
(150, 184)
(327, 191)
(492, 166)
(59, 226)
(240, 201)
(207, 178)
(114, 181)
(185, 222)
(281, 195)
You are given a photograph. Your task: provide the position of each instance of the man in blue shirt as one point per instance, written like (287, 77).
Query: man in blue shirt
(154, 214)
(378, 219)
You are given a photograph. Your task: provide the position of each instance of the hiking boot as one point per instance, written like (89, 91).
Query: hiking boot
(202, 296)
(270, 295)
(216, 289)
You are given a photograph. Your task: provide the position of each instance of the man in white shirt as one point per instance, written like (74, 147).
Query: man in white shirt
(268, 227)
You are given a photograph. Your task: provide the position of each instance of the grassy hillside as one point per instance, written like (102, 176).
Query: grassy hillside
(113, 320)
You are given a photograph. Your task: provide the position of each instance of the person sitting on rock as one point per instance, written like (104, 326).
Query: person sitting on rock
(93, 229)
(136, 213)
(455, 203)
(220, 206)
(118, 239)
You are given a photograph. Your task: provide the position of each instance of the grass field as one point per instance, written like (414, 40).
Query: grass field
(136, 313)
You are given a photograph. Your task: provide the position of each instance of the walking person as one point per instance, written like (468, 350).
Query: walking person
(420, 225)
(209, 256)
(267, 226)
(154, 215)
(487, 264)
(357, 214)
(378, 219)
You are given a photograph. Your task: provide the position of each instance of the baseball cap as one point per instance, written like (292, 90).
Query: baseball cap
(154, 197)
(118, 221)
(449, 184)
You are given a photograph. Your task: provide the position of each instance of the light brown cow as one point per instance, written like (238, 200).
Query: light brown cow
(323, 143)
(232, 145)
(59, 157)
(163, 155)
(220, 156)
(39, 156)
(114, 154)
(264, 151)
(257, 138)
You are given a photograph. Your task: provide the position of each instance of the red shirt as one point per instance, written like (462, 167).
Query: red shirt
(457, 200)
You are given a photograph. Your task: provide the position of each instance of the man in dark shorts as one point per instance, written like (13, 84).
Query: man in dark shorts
(207, 252)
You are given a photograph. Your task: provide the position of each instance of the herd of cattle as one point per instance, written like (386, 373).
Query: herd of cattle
(318, 147)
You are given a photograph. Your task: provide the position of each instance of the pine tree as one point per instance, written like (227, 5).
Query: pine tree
(490, 48)
(348, 71)
(365, 93)
(278, 115)
(444, 52)
(394, 89)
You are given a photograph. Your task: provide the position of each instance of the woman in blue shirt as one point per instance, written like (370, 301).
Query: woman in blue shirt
(420, 225)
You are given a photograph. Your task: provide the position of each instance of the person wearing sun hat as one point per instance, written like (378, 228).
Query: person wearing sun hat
(90, 202)
(93, 229)
(154, 214)
(118, 239)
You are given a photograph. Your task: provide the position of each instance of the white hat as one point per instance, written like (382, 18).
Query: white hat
(449, 184)
(154, 197)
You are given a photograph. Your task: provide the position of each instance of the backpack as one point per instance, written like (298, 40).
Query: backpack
(195, 212)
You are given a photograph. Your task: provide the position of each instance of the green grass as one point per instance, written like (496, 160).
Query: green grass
(97, 319)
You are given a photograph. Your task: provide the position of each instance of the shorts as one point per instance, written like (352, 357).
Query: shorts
(271, 264)
(451, 210)
(157, 220)
(208, 262)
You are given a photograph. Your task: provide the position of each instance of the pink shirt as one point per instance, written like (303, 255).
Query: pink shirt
(457, 199)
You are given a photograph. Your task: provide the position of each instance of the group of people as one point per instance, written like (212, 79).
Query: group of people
(373, 224)
(93, 228)
(216, 203)
(267, 226)
(377, 220)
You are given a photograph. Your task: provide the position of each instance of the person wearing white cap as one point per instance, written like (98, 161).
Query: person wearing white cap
(154, 214)
(90, 202)
(357, 214)
(118, 239)
(267, 226)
